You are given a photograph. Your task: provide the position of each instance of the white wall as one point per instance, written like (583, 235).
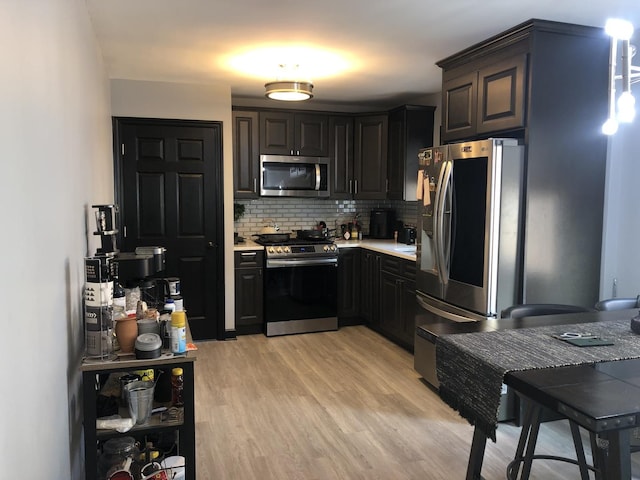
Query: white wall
(621, 236)
(131, 98)
(55, 132)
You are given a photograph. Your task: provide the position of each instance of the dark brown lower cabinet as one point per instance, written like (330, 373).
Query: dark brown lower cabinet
(249, 288)
(349, 277)
(370, 288)
(398, 301)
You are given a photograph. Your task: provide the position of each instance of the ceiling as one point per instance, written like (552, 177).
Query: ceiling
(382, 52)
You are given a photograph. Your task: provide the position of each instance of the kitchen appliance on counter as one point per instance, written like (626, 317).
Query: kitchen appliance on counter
(382, 223)
(300, 286)
(291, 176)
(407, 234)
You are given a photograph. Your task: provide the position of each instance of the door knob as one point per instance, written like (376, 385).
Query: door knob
(210, 245)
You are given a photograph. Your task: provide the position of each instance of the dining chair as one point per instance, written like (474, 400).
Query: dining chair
(534, 414)
(623, 303)
(618, 304)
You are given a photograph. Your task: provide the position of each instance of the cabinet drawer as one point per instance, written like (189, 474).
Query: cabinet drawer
(391, 264)
(248, 259)
(398, 266)
(409, 269)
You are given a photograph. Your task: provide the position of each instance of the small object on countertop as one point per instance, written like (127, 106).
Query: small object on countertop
(169, 306)
(395, 236)
(177, 387)
(635, 324)
(148, 345)
(179, 332)
(141, 308)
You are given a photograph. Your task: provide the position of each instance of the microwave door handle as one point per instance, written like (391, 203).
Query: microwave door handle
(317, 176)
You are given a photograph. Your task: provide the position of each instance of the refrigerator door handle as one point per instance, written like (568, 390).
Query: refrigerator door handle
(470, 317)
(444, 184)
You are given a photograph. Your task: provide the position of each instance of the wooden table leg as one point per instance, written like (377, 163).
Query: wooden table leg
(476, 455)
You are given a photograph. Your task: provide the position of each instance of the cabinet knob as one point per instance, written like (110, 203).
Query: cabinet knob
(210, 245)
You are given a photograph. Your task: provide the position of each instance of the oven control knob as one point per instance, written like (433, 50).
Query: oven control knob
(279, 249)
(271, 250)
(325, 248)
(333, 248)
(287, 250)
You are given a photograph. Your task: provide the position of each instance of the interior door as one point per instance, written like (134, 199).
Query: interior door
(169, 189)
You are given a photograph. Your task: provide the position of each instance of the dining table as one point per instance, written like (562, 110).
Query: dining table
(595, 386)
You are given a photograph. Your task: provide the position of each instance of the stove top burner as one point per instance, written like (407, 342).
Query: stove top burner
(295, 241)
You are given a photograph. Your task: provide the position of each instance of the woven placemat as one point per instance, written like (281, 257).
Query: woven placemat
(471, 366)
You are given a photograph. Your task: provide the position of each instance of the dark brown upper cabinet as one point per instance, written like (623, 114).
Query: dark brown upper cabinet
(410, 129)
(484, 100)
(370, 157)
(341, 156)
(246, 156)
(288, 133)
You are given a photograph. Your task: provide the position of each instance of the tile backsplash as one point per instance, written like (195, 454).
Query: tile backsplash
(303, 213)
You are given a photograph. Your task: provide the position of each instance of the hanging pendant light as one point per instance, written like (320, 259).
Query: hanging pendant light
(620, 31)
(288, 89)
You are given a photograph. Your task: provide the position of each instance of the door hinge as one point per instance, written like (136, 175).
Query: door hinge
(122, 149)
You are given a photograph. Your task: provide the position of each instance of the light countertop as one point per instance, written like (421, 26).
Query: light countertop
(389, 247)
(248, 244)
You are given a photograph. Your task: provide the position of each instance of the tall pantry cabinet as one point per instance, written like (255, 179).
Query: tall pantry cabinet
(545, 83)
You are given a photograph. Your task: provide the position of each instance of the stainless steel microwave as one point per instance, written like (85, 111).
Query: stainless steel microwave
(284, 176)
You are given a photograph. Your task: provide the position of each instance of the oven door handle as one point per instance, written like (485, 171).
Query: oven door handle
(289, 262)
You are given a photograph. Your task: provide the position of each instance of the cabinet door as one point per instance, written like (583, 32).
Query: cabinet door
(391, 321)
(370, 157)
(311, 134)
(349, 271)
(459, 99)
(246, 156)
(501, 95)
(341, 156)
(248, 300)
(397, 154)
(276, 133)
(410, 129)
(409, 308)
(370, 288)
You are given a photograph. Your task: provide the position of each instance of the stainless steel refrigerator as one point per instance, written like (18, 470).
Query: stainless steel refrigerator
(469, 239)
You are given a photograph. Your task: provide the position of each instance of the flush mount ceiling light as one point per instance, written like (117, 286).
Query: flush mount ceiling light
(289, 90)
(620, 31)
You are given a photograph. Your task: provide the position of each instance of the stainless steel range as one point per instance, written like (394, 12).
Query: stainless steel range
(300, 289)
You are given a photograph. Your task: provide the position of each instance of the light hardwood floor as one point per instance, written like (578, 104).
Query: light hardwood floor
(337, 405)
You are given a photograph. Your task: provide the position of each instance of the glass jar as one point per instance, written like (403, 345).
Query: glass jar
(115, 453)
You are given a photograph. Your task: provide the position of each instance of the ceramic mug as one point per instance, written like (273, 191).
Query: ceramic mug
(153, 471)
(124, 473)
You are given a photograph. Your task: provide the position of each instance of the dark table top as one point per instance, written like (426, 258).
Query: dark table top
(472, 366)
(600, 397)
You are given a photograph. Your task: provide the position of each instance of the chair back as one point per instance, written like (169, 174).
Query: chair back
(536, 309)
(618, 303)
